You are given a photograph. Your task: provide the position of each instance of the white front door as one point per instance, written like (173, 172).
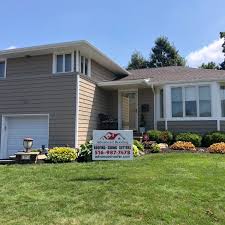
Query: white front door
(128, 115)
(16, 128)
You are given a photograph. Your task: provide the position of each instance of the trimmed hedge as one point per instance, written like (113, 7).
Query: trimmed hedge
(154, 135)
(212, 138)
(195, 139)
(160, 136)
(62, 154)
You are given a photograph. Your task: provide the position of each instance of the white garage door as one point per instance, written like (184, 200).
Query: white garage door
(35, 127)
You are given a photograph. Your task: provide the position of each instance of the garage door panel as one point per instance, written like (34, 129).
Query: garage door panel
(19, 128)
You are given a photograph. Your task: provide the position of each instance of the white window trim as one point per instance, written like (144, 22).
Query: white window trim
(196, 85)
(54, 66)
(5, 61)
(88, 65)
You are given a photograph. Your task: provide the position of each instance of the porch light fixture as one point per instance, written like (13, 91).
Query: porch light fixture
(27, 144)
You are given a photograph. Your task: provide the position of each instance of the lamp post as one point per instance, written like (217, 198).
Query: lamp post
(27, 144)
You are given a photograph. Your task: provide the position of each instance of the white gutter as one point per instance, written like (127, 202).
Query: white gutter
(123, 82)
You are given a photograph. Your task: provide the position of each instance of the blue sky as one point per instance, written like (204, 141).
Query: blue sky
(117, 27)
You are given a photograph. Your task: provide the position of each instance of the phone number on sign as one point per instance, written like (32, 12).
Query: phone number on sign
(115, 152)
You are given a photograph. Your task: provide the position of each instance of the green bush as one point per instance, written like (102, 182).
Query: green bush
(195, 139)
(154, 135)
(166, 137)
(212, 138)
(85, 152)
(155, 148)
(139, 145)
(135, 151)
(62, 154)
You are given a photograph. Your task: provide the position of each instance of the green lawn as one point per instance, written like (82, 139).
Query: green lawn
(175, 188)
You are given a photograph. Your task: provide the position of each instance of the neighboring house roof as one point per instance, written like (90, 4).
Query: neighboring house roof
(88, 49)
(175, 73)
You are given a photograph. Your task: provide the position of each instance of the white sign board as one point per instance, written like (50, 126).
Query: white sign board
(112, 145)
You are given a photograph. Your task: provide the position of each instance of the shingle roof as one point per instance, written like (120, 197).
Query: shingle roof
(175, 73)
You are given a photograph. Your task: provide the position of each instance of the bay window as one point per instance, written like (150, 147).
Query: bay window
(177, 102)
(191, 101)
(84, 67)
(204, 101)
(222, 97)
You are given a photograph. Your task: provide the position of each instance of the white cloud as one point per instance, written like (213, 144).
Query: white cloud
(11, 47)
(211, 52)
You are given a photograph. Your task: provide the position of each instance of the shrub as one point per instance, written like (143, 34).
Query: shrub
(135, 151)
(155, 148)
(85, 152)
(62, 154)
(212, 138)
(154, 135)
(183, 145)
(139, 145)
(195, 139)
(217, 148)
(166, 137)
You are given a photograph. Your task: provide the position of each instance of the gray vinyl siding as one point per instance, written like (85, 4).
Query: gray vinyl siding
(222, 125)
(161, 125)
(145, 96)
(31, 88)
(100, 73)
(198, 126)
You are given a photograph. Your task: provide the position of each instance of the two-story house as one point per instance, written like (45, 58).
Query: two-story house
(55, 93)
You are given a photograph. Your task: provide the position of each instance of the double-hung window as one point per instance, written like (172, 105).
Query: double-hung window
(64, 63)
(177, 102)
(2, 69)
(204, 101)
(192, 101)
(222, 97)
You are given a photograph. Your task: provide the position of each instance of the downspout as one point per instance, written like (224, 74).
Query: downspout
(153, 90)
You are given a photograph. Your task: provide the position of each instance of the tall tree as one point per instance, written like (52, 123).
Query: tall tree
(209, 65)
(137, 61)
(165, 54)
(222, 65)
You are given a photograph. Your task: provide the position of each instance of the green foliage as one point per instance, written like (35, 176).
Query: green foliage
(154, 135)
(212, 138)
(222, 65)
(209, 65)
(166, 137)
(135, 151)
(155, 148)
(195, 139)
(165, 54)
(139, 145)
(137, 61)
(85, 152)
(62, 154)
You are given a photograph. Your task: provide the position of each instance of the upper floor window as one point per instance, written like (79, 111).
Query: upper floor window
(64, 63)
(191, 101)
(84, 65)
(2, 69)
